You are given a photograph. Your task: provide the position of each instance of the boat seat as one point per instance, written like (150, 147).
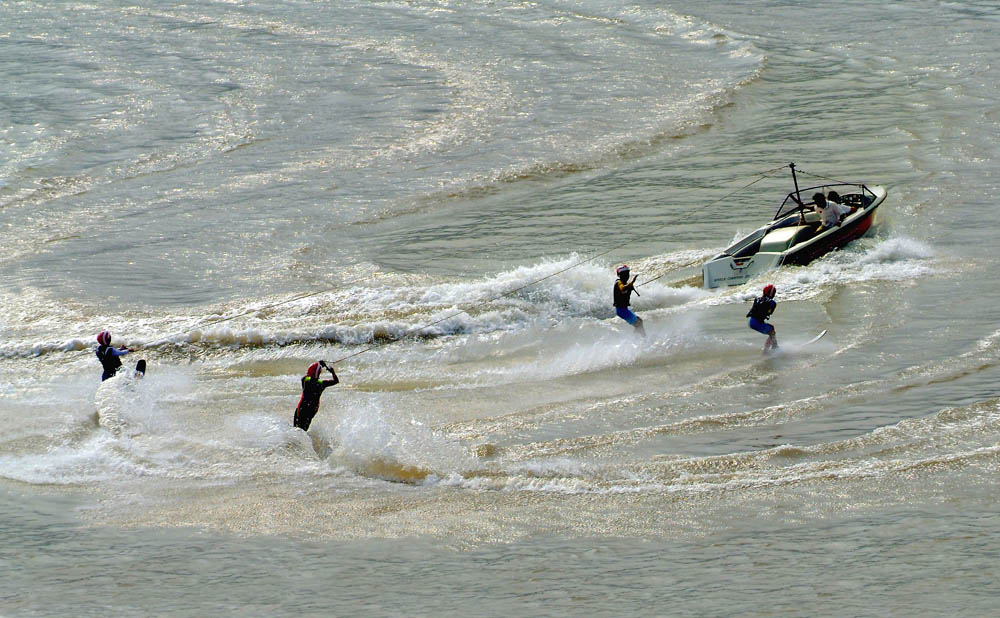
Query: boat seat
(782, 238)
(812, 217)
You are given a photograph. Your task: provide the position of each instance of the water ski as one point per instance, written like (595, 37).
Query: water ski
(777, 350)
(816, 338)
(140, 367)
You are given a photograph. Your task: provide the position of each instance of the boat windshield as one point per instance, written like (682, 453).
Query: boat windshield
(851, 194)
(747, 245)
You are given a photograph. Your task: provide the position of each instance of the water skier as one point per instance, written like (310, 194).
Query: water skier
(110, 357)
(312, 390)
(622, 293)
(761, 310)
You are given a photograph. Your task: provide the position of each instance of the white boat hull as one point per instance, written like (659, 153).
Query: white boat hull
(726, 271)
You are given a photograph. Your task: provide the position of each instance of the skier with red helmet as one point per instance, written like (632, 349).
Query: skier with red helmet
(762, 308)
(109, 356)
(621, 296)
(312, 390)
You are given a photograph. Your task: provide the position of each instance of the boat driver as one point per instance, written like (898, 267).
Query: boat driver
(830, 212)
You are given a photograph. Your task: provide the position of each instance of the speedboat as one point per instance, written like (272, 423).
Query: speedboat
(795, 235)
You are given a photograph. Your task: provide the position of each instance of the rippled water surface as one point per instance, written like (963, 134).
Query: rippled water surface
(436, 194)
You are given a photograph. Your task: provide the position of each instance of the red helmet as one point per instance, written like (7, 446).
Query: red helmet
(622, 269)
(104, 337)
(769, 290)
(313, 371)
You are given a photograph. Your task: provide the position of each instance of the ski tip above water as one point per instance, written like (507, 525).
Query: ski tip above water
(816, 338)
(778, 351)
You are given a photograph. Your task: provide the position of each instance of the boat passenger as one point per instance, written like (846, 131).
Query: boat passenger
(312, 390)
(622, 292)
(833, 196)
(109, 356)
(761, 310)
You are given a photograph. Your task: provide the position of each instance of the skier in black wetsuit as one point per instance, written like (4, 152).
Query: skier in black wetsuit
(312, 390)
(110, 357)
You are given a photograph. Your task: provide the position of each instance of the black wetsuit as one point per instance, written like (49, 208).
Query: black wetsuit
(109, 361)
(312, 389)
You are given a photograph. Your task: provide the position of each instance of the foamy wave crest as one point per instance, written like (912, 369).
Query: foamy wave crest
(372, 443)
(875, 259)
(123, 407)
(557, 476)
(535, 296)
(382, 309)
(569, 351)
(990, 342)
(554, 485)
(571, 347)
(20, 350)
(897, 249)
(92, 461)
(527, 296)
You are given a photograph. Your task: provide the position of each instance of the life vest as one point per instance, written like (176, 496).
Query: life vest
(622, 296)
(109, 361)
(762, 308)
